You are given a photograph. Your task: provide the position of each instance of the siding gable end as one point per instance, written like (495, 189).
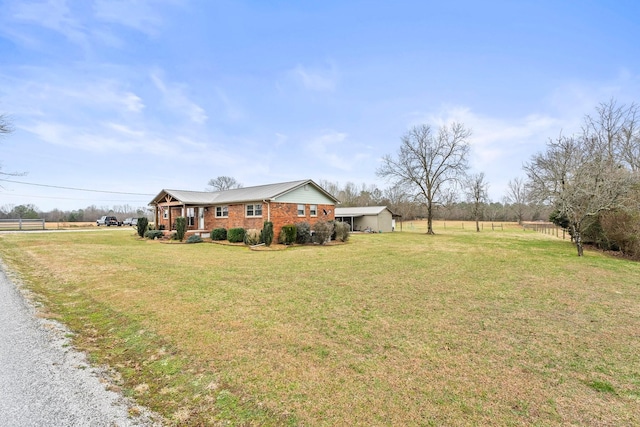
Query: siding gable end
(307, 194)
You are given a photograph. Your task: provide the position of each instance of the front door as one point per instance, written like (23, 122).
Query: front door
(200, 218)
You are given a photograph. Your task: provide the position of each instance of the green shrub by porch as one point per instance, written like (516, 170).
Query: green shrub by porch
(142, 225)
(341, 230)
(235, 235)
(181, 228)
(267, 233)
(288, 234)
(322, 232)
(194, 239)
(219, 234)
(154, 234)
(303, 232)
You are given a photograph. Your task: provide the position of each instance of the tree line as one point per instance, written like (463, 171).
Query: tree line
(88, 214)
(588, 182)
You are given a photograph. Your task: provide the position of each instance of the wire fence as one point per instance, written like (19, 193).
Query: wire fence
(545, 228)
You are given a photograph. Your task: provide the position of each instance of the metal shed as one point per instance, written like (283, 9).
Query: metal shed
(368, 218)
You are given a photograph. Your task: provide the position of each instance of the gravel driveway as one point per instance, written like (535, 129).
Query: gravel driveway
(43, 381)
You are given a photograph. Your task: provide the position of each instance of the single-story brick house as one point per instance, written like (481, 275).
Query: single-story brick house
(249, 207)
(372, 218)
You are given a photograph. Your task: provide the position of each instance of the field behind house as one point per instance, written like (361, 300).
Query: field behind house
(502, 327)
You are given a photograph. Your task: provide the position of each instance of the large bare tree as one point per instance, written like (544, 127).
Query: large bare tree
(5, 125)
(615, 130)
(5, 129)
(428, 162)
(518, 197)
(222, 183)
(580, 179)
(477, 194)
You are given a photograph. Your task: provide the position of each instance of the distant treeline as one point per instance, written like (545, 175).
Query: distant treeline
(88, 214)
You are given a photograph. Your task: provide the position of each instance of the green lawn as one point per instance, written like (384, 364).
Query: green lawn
(500, 327)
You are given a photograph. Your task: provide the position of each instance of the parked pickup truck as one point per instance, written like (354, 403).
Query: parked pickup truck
(108, 221)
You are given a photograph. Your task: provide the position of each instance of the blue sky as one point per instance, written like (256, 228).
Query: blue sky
(140, 95)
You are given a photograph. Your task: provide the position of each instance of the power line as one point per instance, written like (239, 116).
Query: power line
(76, 189)
(72, 198)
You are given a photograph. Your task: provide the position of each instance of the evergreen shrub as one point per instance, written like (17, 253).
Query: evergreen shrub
(194, 239)
(341, 231)
(154, 234)
(235, 235)
(219, 234)
(142, 226)
(303, 233)
(322, 231)
(181, 227)
(288, 234)
(267, 233)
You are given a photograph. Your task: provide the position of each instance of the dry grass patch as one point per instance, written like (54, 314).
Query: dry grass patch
(501, 327)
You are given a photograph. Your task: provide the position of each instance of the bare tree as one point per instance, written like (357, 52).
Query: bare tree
(5, 129)
(615, 130)
(222, 183)
(369, 195)
(448, 200)
(518, 197)
(427, 163)
(397, 199)
(580, 180)
(477, 195)
(5, 125)
(348, 195)
(330, 187)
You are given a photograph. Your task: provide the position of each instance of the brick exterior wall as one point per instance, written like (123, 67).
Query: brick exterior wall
(287, 213)
(281, 214)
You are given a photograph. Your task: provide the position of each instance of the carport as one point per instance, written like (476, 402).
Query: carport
(368, 218)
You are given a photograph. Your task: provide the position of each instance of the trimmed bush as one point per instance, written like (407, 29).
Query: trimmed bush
(303, 233)
(341, 231)
(322, 232)
(194, 239)
(252, 236)
(219, 234)
(154, 234)
(235, 235)
(142, 226)
(267, 233)
(181, 228)
(288, 234)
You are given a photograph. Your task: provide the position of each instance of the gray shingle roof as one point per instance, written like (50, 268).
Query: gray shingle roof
(238, 195)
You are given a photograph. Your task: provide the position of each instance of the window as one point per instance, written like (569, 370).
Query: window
(300, 210)
(253, 210)
(222, 211)
(191, 217)
(313, 210)
(165, 212)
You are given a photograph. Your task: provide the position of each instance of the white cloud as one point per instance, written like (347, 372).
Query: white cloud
(231, 110)
(141, 15)
(132, 102)
(82, 23)
(54, 15)
(281, 139)
(335, 150)
(175, 99)
(320, 80)
(494, 138)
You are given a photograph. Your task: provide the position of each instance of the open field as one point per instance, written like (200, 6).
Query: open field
(503, 327)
